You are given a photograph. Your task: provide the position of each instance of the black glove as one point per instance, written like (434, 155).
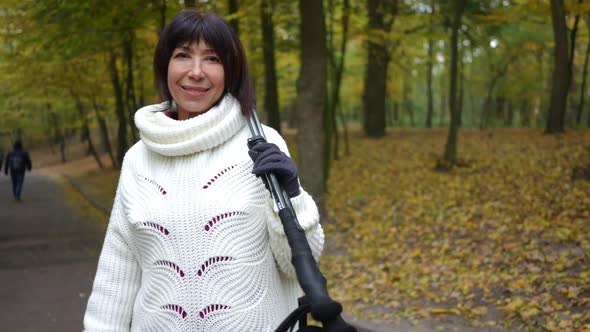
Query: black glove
(267, 157)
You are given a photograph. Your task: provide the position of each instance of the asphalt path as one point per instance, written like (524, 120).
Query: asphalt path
(48, 257)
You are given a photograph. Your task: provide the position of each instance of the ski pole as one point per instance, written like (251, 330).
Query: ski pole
(322, 308)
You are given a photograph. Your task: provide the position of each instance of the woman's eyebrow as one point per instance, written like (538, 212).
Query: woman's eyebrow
(184, 47)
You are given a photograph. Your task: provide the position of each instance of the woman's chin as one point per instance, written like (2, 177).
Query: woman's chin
(187, 115)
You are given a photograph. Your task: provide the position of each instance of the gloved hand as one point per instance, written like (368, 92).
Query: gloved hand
(267, 157)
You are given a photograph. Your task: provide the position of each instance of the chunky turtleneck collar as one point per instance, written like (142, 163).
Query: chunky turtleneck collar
(171, 137)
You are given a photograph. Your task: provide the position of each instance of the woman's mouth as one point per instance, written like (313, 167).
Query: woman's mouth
(195, 91)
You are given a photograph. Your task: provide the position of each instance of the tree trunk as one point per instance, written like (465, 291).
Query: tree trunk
(444, 105)
(58, 136)
(141, 90)
(430, 109)
(337, 69)
(119, 109)
(508, 121)
(86, 129)
(450, 154)
(410, 109)
(390, 116)
(561, 75)
(539, 105)
(271, 94)
(104, 133)
(162, 22)
(584, 77)
(525, 113)
(131, 101)
(233, 9)
(500, 109)
(408, 102)
(487, 105)
(339, 111)
(311, 92)
(375, 86)
(572, 75)
(345, 129)
(331, 127)
(572, 52)
(461, 92)
(472, 108)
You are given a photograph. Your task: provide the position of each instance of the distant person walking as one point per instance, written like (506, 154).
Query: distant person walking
(17, 161)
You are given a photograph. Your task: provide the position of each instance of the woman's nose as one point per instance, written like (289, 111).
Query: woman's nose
(196, 71)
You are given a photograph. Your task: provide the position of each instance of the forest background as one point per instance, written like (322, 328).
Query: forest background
(446, 141)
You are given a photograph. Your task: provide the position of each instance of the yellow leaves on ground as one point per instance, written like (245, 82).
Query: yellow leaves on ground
(504, 240)
(523, 309)
(453, 311)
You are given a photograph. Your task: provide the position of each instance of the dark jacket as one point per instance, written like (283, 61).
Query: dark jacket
(17, 160)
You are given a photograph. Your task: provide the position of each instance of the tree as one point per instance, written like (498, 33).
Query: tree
(130, 99)
(119, 109)
(497, 72)
(311, 99)
(86, 128)
(335, 71)
(233, 10)
(584, 75)
(381, 15)
(570, 61)
(430, 59)
(450, 154)
(561, 73)
(271, 94)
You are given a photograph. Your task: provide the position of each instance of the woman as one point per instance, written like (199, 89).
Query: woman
(194, 242)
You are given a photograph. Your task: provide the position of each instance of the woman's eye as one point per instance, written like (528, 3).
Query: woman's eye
(213, 59)
(181, 55)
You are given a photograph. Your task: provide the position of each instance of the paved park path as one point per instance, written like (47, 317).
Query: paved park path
(48, 257)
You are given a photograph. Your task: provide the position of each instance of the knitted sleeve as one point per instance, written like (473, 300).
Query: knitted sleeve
(117, 279)
(307, 214)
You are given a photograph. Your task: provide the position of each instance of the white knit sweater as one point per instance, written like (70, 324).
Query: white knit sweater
(194, 242)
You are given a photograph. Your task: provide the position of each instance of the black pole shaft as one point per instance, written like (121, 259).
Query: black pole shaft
(311, 280)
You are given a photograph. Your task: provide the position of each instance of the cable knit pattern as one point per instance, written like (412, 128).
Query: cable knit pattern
(194, 242)
(171, 137)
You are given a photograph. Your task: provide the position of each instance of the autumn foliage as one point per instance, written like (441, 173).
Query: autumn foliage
(502, 241)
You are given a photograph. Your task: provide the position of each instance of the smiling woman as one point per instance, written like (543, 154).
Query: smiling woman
(195, 79)
(194, 242)
(209, 38)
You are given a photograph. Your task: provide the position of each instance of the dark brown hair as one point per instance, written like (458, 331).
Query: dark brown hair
(190, 26)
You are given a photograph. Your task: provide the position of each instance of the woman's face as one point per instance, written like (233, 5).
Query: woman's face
(195, 79)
